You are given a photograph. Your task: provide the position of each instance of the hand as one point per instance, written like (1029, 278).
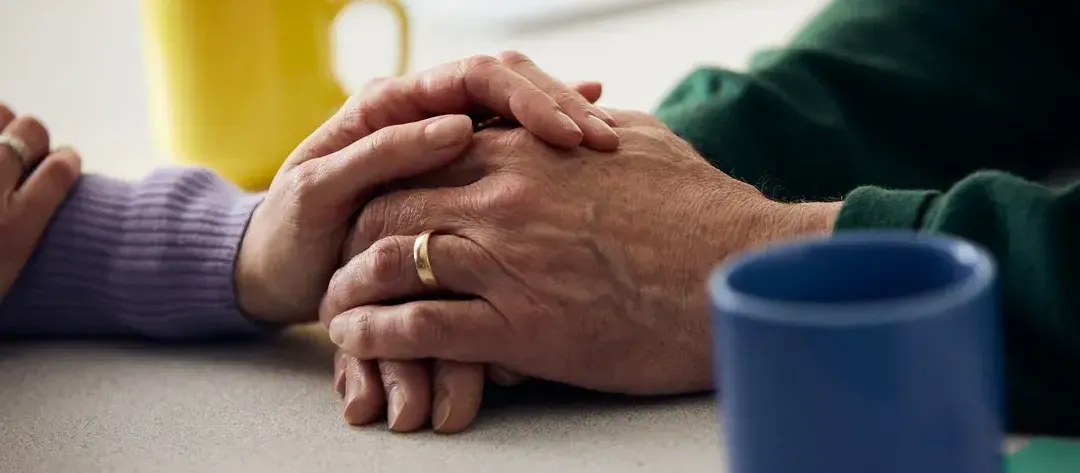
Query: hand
(27, 207)
(294, 241)
(450, 395)
(573, 266)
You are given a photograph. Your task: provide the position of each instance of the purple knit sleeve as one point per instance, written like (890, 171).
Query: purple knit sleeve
(151, 258)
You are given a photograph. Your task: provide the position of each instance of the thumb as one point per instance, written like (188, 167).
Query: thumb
(389, 154)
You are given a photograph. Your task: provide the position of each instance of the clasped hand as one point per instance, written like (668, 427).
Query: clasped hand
(396, 130)
(575, 265)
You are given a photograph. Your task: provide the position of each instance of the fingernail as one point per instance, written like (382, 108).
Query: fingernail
(397, 403)
(567, 122)
(442, 411)
(337, 329)
(447, 131)
(600, 125)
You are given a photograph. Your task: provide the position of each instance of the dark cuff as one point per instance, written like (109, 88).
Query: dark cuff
(878, 208)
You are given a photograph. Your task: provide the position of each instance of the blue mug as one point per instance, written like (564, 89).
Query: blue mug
(868, 352)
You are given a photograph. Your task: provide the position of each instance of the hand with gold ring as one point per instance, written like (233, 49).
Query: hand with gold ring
(576, 267)
(510, 86)
(447, 392)
(33, 184)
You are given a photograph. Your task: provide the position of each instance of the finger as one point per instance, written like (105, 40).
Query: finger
(364, 397)
(6, 116)
(504, 376)
(459, 330)
(339, 373)
(410, 212)
(595, 123)
(483, 82)
(36, 138)
(408, 391)
(458, 389)
(344, 177)
(47, 187)
(461, 87)
(589, 90)
(387, 272)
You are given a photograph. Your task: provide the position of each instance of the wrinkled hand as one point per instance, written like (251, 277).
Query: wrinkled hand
(569, 265)
(449, 393)
(27, 207)
(294, 241)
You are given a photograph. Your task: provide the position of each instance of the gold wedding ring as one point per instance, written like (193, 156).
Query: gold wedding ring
(17, 146)
(422, 259)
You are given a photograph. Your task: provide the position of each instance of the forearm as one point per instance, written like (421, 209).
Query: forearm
(1032, 231)
(897, 93)
(152, 258)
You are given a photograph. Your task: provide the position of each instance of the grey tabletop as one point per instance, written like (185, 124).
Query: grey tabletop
(269, 407)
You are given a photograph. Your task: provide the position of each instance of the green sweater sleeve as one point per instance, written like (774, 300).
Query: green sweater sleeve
(897, 93)
(900, 105)
(1033, 231)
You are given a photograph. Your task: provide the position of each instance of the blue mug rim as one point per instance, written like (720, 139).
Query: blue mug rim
(739, 303)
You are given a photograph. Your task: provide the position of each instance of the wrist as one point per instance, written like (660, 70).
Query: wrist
(253, 297)
(790, 222)
(812, 219)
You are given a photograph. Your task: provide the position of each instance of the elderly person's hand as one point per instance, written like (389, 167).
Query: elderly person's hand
(569, 265)
(395, 128)
(33, 184)
(449, 393)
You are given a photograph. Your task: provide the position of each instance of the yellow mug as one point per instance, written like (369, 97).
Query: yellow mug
(235, 85)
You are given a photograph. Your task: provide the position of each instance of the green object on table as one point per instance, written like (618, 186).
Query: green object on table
(1046, 456)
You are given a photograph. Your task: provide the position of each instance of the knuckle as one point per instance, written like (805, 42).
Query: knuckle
(371, 223)
(303, 183)
(361, 327)
(31, 129)
(475, 71)
(386, 140)
(6, 113)
(568, 98)
(31, 124)
(351, 119)
(336, 301)
(478, 62)
(384, 260)
(60, 176)
(509, 196)
(514, 58)
(422, 325)
(374, 84)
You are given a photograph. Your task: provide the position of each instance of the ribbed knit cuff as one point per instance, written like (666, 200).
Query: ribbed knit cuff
(877, 208)
(154, 258)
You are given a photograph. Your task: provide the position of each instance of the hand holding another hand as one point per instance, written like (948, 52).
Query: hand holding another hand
(574, 266)
(395, 129)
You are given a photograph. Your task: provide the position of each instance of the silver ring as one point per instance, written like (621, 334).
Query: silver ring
(17, 146)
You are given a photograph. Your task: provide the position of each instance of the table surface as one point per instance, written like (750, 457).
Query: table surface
(269, 407)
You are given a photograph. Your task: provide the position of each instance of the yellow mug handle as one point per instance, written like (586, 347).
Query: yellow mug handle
(404, 37)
